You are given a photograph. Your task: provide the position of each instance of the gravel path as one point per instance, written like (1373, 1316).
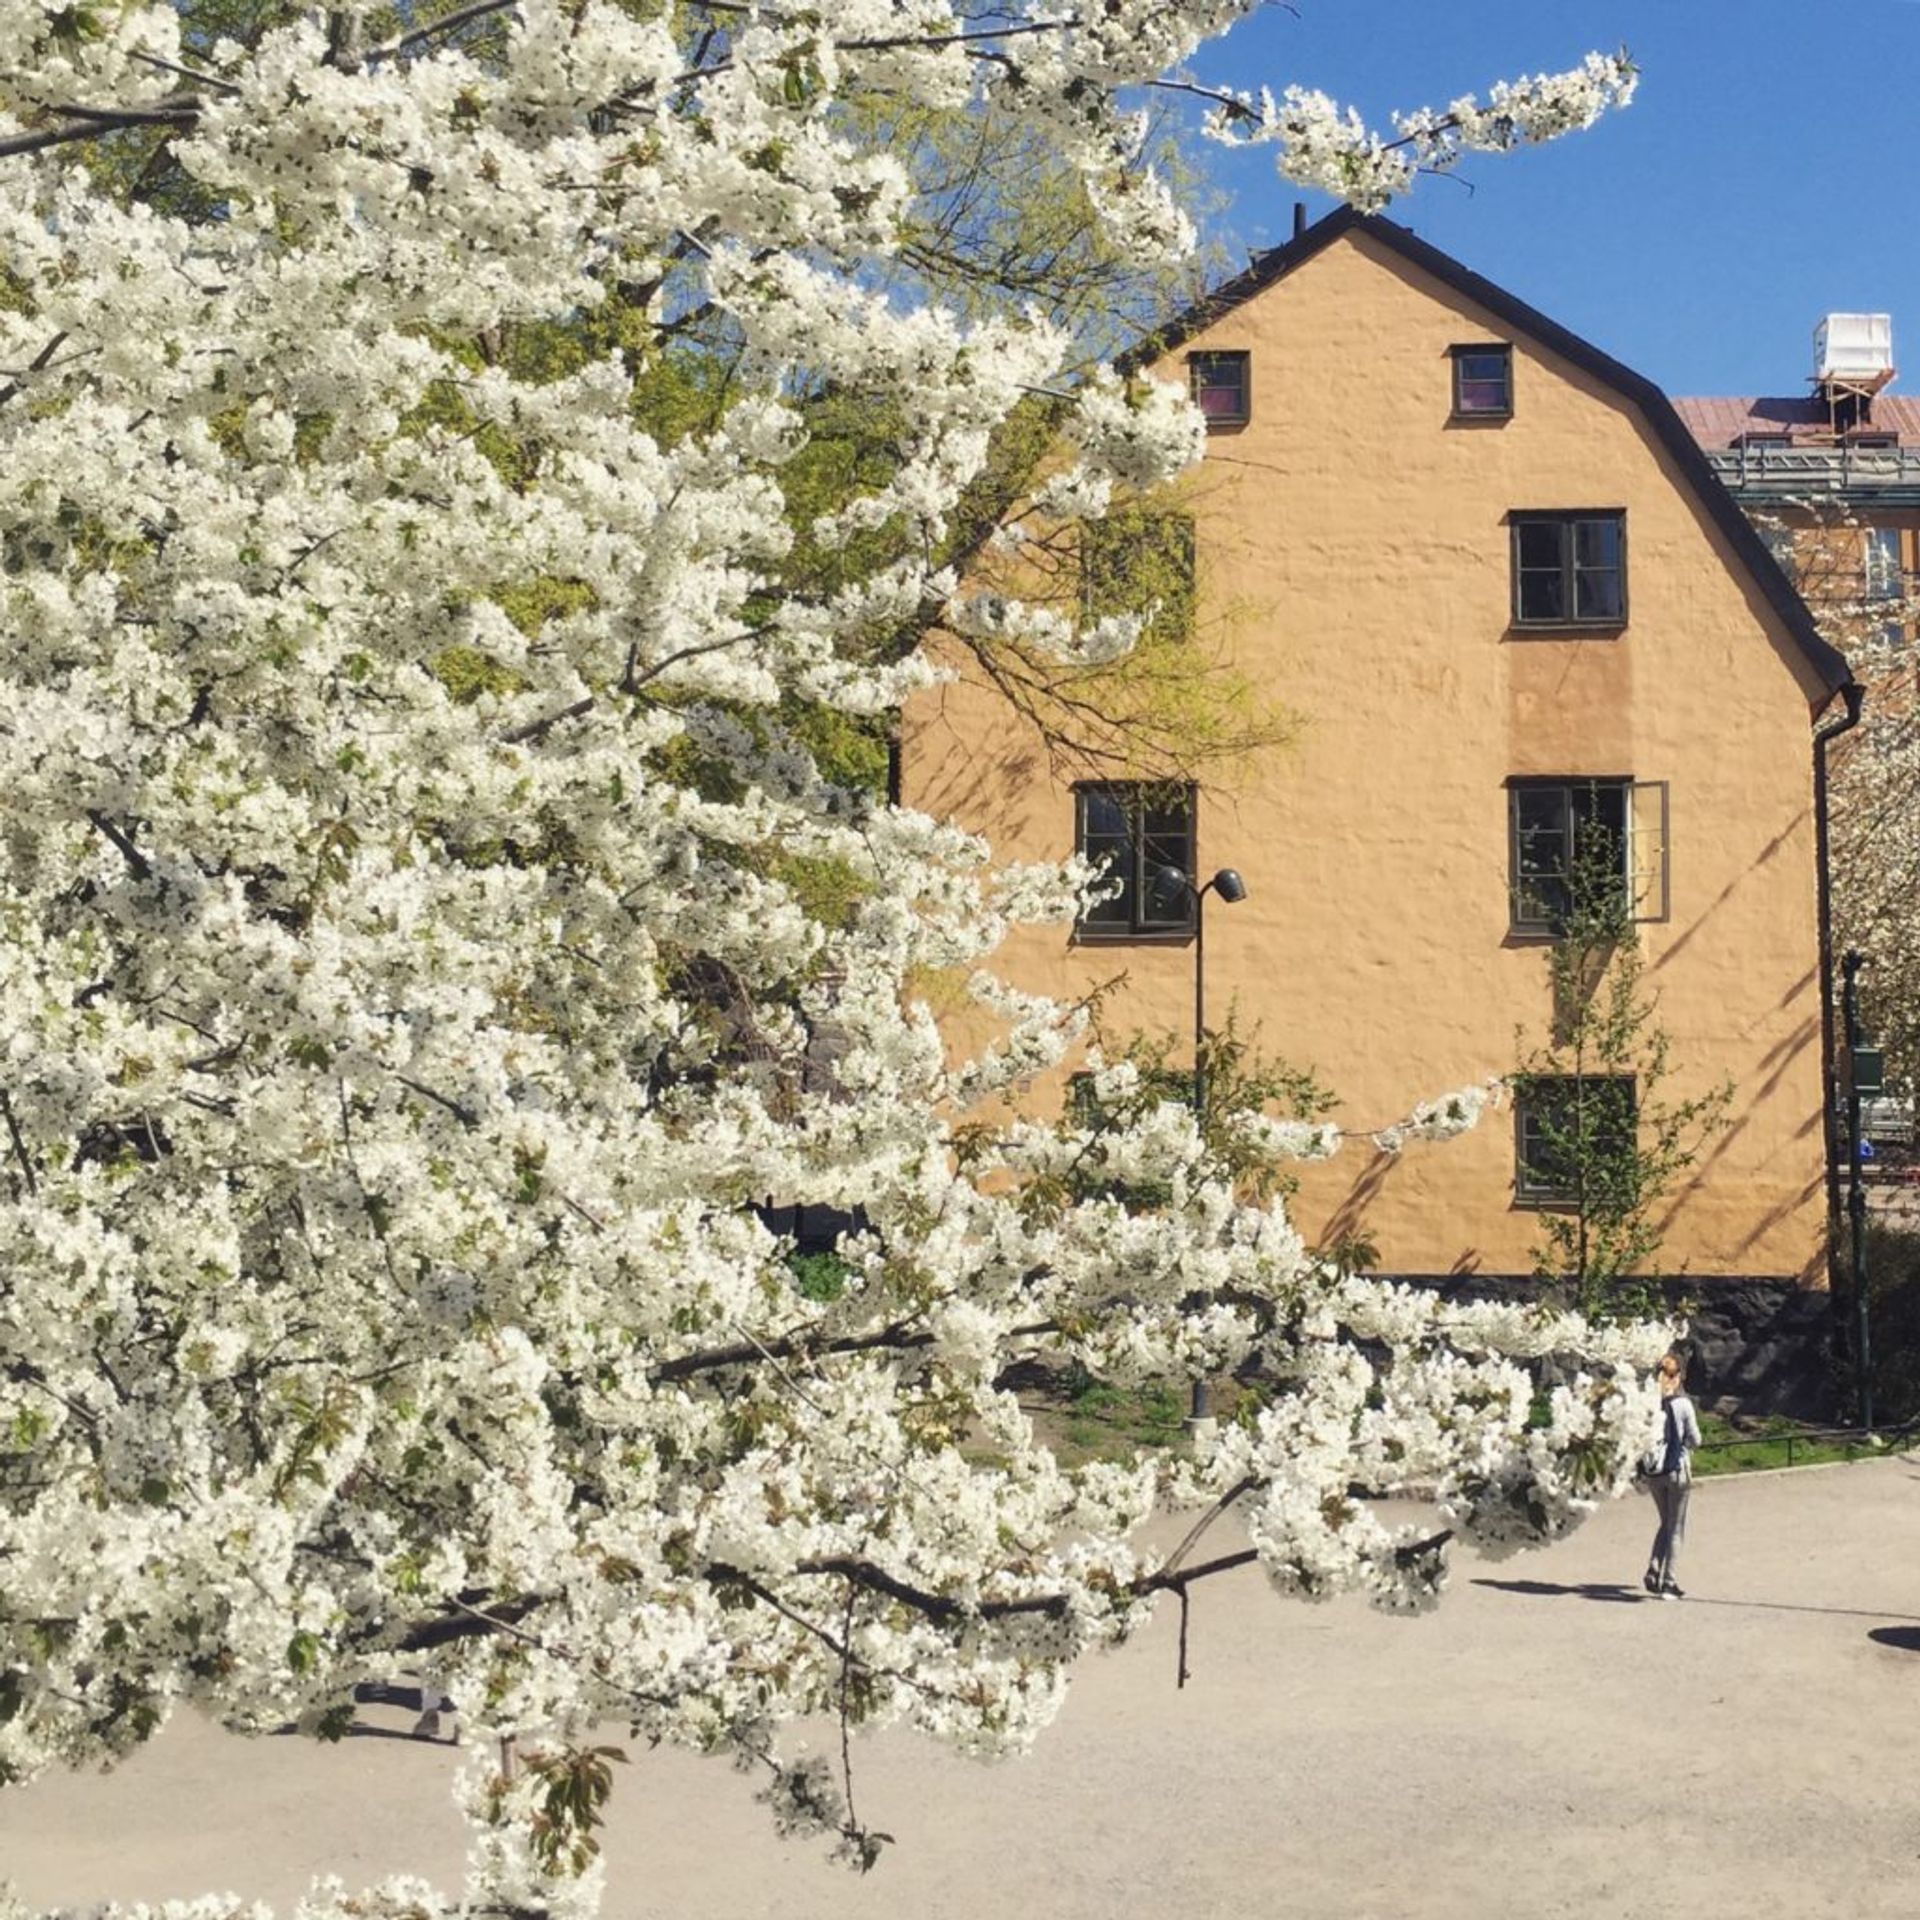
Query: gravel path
(1550, 1743)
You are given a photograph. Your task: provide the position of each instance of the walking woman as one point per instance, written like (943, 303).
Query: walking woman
(1672, 1486)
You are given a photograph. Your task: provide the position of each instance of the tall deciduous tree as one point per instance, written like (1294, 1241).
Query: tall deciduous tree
(1851, 577)
(428, 937)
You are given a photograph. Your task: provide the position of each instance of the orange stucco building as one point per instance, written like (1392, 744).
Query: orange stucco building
(1497, 586)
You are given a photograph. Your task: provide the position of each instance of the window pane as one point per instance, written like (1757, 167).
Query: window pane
(1542, 543)
(1168, 817)
(1546, 1169)
(1117, 864)
(1608, 1117)
(1540, 854)
(1597, 596)
(1599, 807)
(1543, 596)
(1167, 841)
(1596, 543)
(1540, 809)
(1101, 814)
(1600, 843)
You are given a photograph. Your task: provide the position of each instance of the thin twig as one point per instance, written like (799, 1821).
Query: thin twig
(448, 23)
(460, 1111)
(186, 73)
(846, 1738)
(1213, 1513)
(19, 1143)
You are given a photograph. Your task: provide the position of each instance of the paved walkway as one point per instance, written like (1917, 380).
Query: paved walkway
(1550, 1743)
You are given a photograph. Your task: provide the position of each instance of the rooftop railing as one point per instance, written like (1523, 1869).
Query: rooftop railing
(1777, 470)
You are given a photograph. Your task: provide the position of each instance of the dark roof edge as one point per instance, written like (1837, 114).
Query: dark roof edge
(1826, 660)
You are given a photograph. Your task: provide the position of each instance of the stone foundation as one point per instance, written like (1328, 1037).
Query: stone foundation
(1754, 1347)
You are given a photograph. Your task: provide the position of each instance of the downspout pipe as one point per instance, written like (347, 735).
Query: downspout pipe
(1855, 696)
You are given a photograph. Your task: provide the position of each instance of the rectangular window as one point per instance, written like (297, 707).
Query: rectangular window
(1885, 580)
(1222, 387)
(1569, 569)
(1575, 1137)
(1482, 382)
(1564, 834)
(1139, 558)
(1135, 831)
(1883, 563)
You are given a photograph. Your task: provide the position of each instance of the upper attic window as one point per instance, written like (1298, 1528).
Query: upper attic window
(1222, 387)
(1482, 382)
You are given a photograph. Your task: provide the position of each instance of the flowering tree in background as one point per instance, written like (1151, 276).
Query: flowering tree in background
(429, 932)
(1850, 576)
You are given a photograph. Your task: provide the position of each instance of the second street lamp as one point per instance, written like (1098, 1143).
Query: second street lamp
(1864, 1077)
(1169, 884)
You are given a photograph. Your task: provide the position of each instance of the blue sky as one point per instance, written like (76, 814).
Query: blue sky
(1767, 172)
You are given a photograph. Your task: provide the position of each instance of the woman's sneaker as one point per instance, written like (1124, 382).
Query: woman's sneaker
(1650, 1580)
(1670, 1591)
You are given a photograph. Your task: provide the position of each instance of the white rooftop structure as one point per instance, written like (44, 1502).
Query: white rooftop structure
(1856, 348)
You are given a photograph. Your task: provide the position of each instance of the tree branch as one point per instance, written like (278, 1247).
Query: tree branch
(536, 730)
(936, 1606)
(38, 364)
(460, 1111)
(894, 1338)
(137, 862)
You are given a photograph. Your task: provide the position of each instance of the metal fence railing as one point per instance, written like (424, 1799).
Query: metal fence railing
(1851, 1443)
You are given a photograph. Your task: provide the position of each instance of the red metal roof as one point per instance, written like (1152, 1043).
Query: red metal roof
(1722, 423)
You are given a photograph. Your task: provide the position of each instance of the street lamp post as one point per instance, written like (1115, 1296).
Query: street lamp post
(1864, 1076)
(1170, 883)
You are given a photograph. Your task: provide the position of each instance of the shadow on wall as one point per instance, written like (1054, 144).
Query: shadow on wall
(1348, 1219)
(1777, 1061)
(974, 787)
(1766, 853)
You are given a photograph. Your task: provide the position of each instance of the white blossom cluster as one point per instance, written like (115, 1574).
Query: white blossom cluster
(1443, 1118)
(413, 982)
(1321, 144)
(402, 1898)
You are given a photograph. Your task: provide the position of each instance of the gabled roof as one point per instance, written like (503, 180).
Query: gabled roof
(1828, 663)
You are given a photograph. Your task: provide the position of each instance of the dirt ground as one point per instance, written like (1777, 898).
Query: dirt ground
(1550, 1743)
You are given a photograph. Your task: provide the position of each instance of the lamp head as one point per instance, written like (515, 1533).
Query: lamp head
(1229, 886)
(1169, 884)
